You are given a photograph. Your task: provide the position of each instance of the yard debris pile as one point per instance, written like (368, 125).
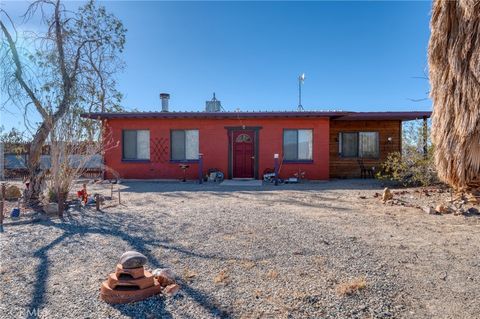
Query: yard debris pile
(455, 209)
(132, 282)
(464, 205)
(442, 209)
(460, 205)
(431, 201)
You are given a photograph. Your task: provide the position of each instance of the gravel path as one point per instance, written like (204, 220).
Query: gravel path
(269, 252)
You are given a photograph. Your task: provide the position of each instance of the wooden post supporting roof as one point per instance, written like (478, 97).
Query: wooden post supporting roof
(2, 206)
(425, 137)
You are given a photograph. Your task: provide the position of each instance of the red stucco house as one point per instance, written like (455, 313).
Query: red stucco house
(151, 145)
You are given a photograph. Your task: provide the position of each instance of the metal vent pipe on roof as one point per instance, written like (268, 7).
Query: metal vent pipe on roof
(164, 97)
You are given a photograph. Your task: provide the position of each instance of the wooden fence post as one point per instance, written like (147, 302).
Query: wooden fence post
(425, 137)
(275, 160)
(200, 168)
(85, 194)
(61, 204)
(97, 202)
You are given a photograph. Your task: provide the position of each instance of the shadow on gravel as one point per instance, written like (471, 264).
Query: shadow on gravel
(42, 271)
(106, 225)
(190, 186)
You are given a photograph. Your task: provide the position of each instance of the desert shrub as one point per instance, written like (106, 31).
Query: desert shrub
(412, 168)
(352, 286)
(52, 196)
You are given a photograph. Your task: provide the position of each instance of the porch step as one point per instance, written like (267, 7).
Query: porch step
(240, 182)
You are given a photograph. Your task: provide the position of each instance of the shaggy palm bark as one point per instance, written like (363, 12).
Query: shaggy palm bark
(454, 63)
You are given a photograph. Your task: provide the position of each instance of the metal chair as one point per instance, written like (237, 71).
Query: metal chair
(365, 172)
(184, 167)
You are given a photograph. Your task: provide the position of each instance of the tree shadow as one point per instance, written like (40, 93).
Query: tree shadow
(175, 187)
(107, 226)
(42, 272)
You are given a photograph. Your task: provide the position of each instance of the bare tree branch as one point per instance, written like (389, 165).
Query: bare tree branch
(67, 83)
(18, 73)
(68, 69)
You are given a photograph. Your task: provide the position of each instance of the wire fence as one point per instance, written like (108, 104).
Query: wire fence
(13, 166)
(2, 162)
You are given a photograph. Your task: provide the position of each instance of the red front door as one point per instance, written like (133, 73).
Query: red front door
(243, 145)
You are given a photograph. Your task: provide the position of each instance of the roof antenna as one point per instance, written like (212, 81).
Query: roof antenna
(301, 79)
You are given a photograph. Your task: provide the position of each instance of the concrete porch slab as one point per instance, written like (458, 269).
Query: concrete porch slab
(240, 182)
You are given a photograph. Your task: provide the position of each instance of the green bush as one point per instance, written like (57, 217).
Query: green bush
(412, 168)
(52, 195)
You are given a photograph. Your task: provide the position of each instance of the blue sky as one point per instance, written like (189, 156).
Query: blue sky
(358, 56)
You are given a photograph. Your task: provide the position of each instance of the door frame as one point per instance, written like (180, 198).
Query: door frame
(256, 130)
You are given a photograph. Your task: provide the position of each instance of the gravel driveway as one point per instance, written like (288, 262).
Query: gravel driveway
(263, 252)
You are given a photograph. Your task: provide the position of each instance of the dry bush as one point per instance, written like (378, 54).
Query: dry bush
(352, 286)
(272, 274)
(221, 277)
(70, 155)
(410, 169)
(248, 265)
(188, 274)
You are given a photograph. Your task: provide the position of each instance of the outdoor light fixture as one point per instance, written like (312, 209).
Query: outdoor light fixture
(389, 139)
(301, 79)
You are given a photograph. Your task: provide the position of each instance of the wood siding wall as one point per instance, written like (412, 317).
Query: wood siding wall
(349, 167)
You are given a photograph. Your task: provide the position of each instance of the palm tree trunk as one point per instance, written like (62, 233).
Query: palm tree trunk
(454, 66)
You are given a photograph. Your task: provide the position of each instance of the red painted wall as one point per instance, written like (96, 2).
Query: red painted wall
(213, 139)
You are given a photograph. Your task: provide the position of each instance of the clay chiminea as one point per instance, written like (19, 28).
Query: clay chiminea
(130, 282)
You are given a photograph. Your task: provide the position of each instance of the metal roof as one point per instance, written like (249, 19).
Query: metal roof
(401, 116)
(215, 115)
(334, 115)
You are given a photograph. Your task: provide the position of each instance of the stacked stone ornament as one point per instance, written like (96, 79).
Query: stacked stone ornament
(132, 282)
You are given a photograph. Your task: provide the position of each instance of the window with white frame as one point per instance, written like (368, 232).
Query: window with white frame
(184, 145)
(136, 145)
(358, 144)
(297, 145)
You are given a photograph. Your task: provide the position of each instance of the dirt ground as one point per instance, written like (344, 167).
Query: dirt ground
(313, 250)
